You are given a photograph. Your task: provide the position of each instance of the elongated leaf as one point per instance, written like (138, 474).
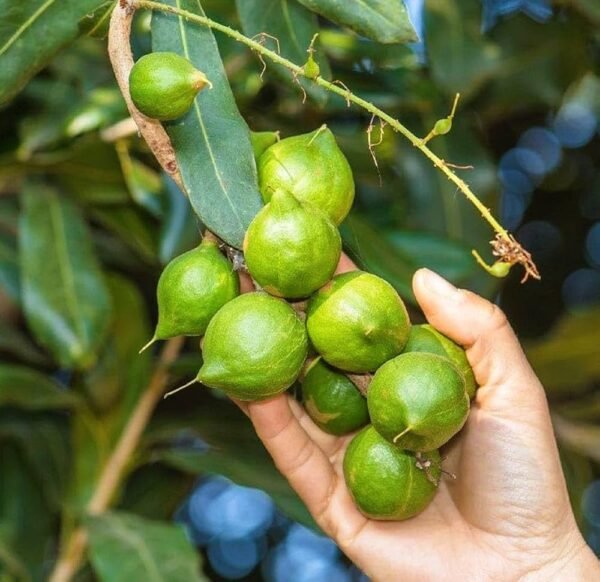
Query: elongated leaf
(27, 522)
(385, 21)
(462, 59)
(42, 438)
(127, 548)
(448, 258)
(212, 141)
(114, 387)
(32, 32)
(132, 226)
(375, 254)
(65, 299)
(569, 356)
(293, 26)
(28, 389)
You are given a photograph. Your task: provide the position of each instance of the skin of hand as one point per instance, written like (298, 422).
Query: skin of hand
(507, 515)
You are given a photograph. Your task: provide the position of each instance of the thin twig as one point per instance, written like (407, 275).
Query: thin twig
(114, 470)
(297, 71)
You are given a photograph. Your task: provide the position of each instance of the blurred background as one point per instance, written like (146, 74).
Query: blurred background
(527, 126)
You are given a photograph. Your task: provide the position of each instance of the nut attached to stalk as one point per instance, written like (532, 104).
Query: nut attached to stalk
(164, 85)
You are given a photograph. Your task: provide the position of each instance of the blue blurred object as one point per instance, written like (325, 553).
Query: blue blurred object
(281, 566)
(203, 497)
(63, 377)
(590, 503)
(512, 209)
(544, 240)
(575, 125)
(581, 289)
(545, 144)
(237, 512)
(592, 245)
(516, 181)
(302, 541)
(416, 10)
(310, 556)
(235, 559)
(539, 10)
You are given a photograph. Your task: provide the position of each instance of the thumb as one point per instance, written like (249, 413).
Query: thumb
(501, 369)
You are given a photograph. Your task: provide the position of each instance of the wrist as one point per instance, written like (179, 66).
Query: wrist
(576, 563)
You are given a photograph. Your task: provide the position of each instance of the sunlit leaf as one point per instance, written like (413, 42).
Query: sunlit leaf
(32, 32)
(381, 20)
(212, 141)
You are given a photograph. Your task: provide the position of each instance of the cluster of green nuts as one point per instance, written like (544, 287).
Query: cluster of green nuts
(353, 325)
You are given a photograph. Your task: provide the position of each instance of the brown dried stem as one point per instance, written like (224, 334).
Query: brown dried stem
(121, 58)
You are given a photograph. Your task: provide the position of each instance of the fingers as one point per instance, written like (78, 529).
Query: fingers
(295, 453)
(483, 330)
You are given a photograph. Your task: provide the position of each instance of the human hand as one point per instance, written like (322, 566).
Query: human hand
(507, 516)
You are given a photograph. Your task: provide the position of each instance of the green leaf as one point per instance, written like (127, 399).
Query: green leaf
(370, 249)
(568, 356)
(120, 368)
(381, 20)
(42, 438)
(156, 491)
(32, 32)
(235, 450)
(450, 259)
(212, 141)
(12, 568)
(128, 548)
(132, 226)
(16, 344)
(114, 387)
(294, 27)
(65, 299)
(27, 523)
(462, 60)
(28, 389)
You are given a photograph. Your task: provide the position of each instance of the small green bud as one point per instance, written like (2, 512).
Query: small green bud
(311, 68)
(442, 126)
(500, 269)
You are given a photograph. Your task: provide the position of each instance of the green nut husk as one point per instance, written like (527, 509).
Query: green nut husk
(313, 168)
(191, 289)
(418, 401)
(387, 483)
(425, 338)
(357, 322)
(291, 249)
(254, 347)
(332, 401)
(164, 85)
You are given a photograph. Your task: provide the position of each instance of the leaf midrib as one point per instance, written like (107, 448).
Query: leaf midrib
(203, 127)
(25, 26)
(64, 265)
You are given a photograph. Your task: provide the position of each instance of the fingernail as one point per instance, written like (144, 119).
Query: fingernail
(437, 284)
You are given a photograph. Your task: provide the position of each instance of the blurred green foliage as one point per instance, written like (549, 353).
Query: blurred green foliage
(86, 224)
